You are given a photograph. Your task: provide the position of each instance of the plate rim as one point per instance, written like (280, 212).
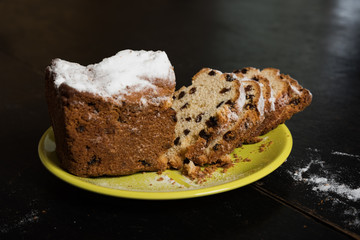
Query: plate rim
(158, 195)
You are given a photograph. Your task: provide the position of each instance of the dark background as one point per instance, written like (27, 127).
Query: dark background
(315, 41)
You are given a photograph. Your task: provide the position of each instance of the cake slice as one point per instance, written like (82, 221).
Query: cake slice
(204, 111)
(287, 97)
(115, 117)
(250, 114)
(210, 109)
(270, 99)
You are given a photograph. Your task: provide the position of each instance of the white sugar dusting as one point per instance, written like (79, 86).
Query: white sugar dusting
(330, 185)
(325, 182)
(116, 75)
(345, 154)
(261, 103)
(242, 99)
(272, 99)
(30, 217)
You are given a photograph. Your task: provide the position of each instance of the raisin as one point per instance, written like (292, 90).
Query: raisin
(173, 97)
(204, 135)
(109, 131)
(181, 95)
(255, 78)
(229, 102)
(216, 147)
(224, 90)
(212, 73)
(193, 90)
(186, 132)
(91, 104)
(219, 104)
(87, 147)
(281, 77)
(248, 88)
(120, 119)
(244, 70)
(295, 101)
(250, 96)
(250, 106)
(212, 122)
(174, 118)
(177, 141)
(94, 160)
(229, 136)
(80, 129)
(145, 163)
(229, 78)
(167, 145)
(236, 71)
(184, 106)
(186, 161)
(199, 117)
(188, 119)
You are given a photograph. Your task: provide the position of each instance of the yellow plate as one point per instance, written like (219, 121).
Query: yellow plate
(251, 162)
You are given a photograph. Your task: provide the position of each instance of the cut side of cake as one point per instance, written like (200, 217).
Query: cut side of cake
(114, 117)
(250, 114)
(204, 111)
(287, 97)
(270, 99)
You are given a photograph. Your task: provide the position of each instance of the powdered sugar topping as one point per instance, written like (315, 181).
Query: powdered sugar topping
(261, 103)
(242, 99)
(127, 71)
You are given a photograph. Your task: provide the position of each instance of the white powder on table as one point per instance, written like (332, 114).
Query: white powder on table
(326, 183)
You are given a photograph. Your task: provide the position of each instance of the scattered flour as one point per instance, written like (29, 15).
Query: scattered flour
(325, 183)
(351, 212)
(31, 217)
(346, 154)
(330, 185)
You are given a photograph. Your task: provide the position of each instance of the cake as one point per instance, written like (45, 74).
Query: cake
(122, 115)
(204, 111)
(267, 99)
(287, 97)
(115, 117)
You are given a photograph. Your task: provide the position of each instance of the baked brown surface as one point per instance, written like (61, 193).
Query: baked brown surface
(96, 136)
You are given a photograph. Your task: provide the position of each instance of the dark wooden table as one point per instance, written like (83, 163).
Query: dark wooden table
(313, 195)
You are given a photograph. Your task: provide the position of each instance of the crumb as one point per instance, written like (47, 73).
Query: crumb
(264, 146)
(246, 160)
(160, 179)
